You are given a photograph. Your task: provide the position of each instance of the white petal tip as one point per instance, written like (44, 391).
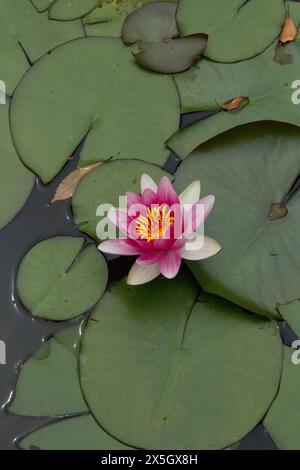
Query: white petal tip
(148, 183)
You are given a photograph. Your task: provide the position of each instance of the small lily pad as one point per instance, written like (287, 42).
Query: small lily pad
(78, 433)
(174, 370)
(105, 185)
(65, 10)
(237, 29)
(51, 276)
(283, 420)
(48, 384)
(172, 56)
(249, 169)
(67, 97)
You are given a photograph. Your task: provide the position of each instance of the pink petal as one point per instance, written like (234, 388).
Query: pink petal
(170, 264)
(149, 197)
(150, 258)
(196, 216)
(166, 193)
(141, 274)
(133, 198)
(118, 247)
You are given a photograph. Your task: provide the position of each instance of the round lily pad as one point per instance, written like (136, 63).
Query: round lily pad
(283, 420)
(175, 370)
(105, 185)
(92, 88)
(16, 181)
(250, 170)
(78, 433)
(59, 279)
(48, 384)
(71, 9)
(237, 29)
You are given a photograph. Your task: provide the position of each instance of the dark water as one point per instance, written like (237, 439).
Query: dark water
(24, 335)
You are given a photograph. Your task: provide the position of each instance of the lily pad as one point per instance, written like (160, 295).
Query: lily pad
(51, 276)
(283, 420)
(266, 84)
(105, 185)
(92, 88)
(78, 433)
(237, 29)
(249, 170)
(173, 56)
(150, 23)
(174, 370)
(65, 10)
(108, 18)
(16, 181)
(48, 385)
(26, 33)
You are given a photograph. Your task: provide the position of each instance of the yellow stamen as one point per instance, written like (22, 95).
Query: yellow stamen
(155, 224)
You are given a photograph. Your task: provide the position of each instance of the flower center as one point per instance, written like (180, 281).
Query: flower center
(155, 224)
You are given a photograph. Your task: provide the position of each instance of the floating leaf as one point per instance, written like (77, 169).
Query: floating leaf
(289, 32)
(267, 84)
(66, 97)
(67, 187)
(290, 312)
(150, 23)
(41, 5)
(23, 30)
(48, 385)
(104, 186)
(236, 104)
(237, 29)
(176, 371)
(16, 181)
(65, 10)
(283, 420)
(172, 56)
(248, 170)
(76, 433)
(52, 274)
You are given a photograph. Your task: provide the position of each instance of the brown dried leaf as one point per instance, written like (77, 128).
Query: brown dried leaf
(236, 104)
(67, 187)
(289, 32)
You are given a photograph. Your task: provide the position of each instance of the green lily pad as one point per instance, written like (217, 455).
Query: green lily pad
(249, 169)
(78, 433)
(105, 185)
(173, 56)
(16, 181)
(67, 96)
(108, 18)
(283, 420)
(150, 23)
(291, 314)
(174, 370)
(237, 29)
(65, 10)
(48, 384)
(52, 275)
(266, 83)
(23, 32)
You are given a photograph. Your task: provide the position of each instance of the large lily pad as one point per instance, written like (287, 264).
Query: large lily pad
(78, 433)
(283, 420)
(51, 276)
(24, 32)
(16, 181)
(65, 10)
(92, 87)
(108, 18)
(176, 371)
(266, 83)
(248, 170)
(237, 29)
(104, 186)
(48, 384)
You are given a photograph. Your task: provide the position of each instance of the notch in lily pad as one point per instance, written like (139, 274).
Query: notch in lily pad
(154, 26)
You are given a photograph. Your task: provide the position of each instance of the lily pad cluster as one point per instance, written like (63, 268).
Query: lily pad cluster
(196, 362)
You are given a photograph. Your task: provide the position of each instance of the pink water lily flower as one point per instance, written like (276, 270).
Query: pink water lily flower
(161, 228)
